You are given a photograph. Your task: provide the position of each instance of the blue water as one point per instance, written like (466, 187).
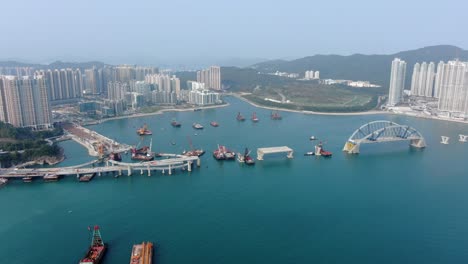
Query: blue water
(389, 204)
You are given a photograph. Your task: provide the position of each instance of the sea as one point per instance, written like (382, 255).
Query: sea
(389, 204)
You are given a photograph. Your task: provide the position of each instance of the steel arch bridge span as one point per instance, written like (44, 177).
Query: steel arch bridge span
(383, 131)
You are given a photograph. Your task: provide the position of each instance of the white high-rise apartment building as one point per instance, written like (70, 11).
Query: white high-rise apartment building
(422, 81)
(453, 83)
(210, 77)
(397, 82)
(438, 76)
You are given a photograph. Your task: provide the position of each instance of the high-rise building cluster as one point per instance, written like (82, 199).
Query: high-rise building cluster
(452, 86)
(63, 84)
(210, 77)
(166, 88)
(24, 101)
(311, 75)
(422, 81)
(397, 82)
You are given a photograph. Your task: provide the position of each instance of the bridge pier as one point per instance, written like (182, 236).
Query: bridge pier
(170, 170)
(129, 171)
(149, 171)
(463, 138)
(198, 162)
(120, 172)
(189, 165)
(418, 143)
(351, 147)
(141, 171)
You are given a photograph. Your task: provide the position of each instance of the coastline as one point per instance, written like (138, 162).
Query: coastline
(373, 112)
(162, 111)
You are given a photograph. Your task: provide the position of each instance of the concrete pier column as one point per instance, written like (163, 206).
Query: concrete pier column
(77, 175)
(170, 170)
(120, 172)
(141, 171)
(198, 162)
(189, 165)
(149, 171)
(129, 171)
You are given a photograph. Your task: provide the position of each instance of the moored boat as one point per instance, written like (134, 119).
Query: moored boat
(240, 117)
(97, 249)
(50, 177)
(214, 124)
(144, 131)
(197, 126)
(174, 123)
(193, 153)
(222, 153)
(275, 116)
(312, 138)
(142, 253)
(255, 118)
(87, 177)
(27, 179)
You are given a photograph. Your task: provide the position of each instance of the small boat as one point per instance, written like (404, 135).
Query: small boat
(240, 117)
(144, 131)
(275, 116)
(174, 123)
(193, 153)
(173, 143)
(196, 109)
(319, 151)
(214, 124)
(27, 179)
(87, 177)
(312, 138)
(309, 153)
(255, 118)
(197, 126)
(97, 249)
(142, 253)
(50, 177)
(3, 181)
(445, 140)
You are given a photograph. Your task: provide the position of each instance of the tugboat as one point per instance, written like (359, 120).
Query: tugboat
(174, 123)
(193, 152)
(96, 250)
(222, 153)
(246, 158)
(197, 126)
(143, 131)
(319, 151)
(214, 124)
(275, 116)
(3, 181)
(240, 117)
(255, 118)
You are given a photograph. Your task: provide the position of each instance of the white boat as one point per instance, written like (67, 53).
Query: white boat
(309, 153)
(3, 181)
(445, 140)
(313, 138)
(463, 138)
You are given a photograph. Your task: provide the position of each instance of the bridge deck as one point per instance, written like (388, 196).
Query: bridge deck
(275, 149)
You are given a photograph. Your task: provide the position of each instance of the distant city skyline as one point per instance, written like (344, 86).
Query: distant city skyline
(208, 31)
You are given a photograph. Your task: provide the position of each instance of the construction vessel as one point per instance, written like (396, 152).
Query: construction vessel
(142, 253)
(87, 177)
(222, 153)
(144, 131)
(319, 151)
(245, 158)
(96, 250)
(240, 117)
(193, 152)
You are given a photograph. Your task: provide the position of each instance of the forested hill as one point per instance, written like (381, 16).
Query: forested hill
(374, 68)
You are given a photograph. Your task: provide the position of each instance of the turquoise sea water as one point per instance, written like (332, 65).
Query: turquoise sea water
(389, 204)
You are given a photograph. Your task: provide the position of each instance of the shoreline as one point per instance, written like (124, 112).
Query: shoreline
(160, 112)
(373, 112)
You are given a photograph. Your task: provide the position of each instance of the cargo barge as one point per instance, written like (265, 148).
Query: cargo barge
(142, 253)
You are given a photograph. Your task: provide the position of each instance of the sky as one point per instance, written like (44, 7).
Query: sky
(186, 31)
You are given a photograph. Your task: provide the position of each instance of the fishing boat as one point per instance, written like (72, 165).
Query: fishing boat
(197, 126)
(97, 249)
(174, 123)
(214, 124)
(312, 138)
(87, 177)
(222, 153)
(50, 177)
(144, 131)
(319, 151)
(275, 116)
(3, 181)
(254, 117)
(142, 253)
(193, 152)
(240, 117)
(245, 158)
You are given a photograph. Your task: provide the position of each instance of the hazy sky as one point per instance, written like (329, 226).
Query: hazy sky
(176, 30)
